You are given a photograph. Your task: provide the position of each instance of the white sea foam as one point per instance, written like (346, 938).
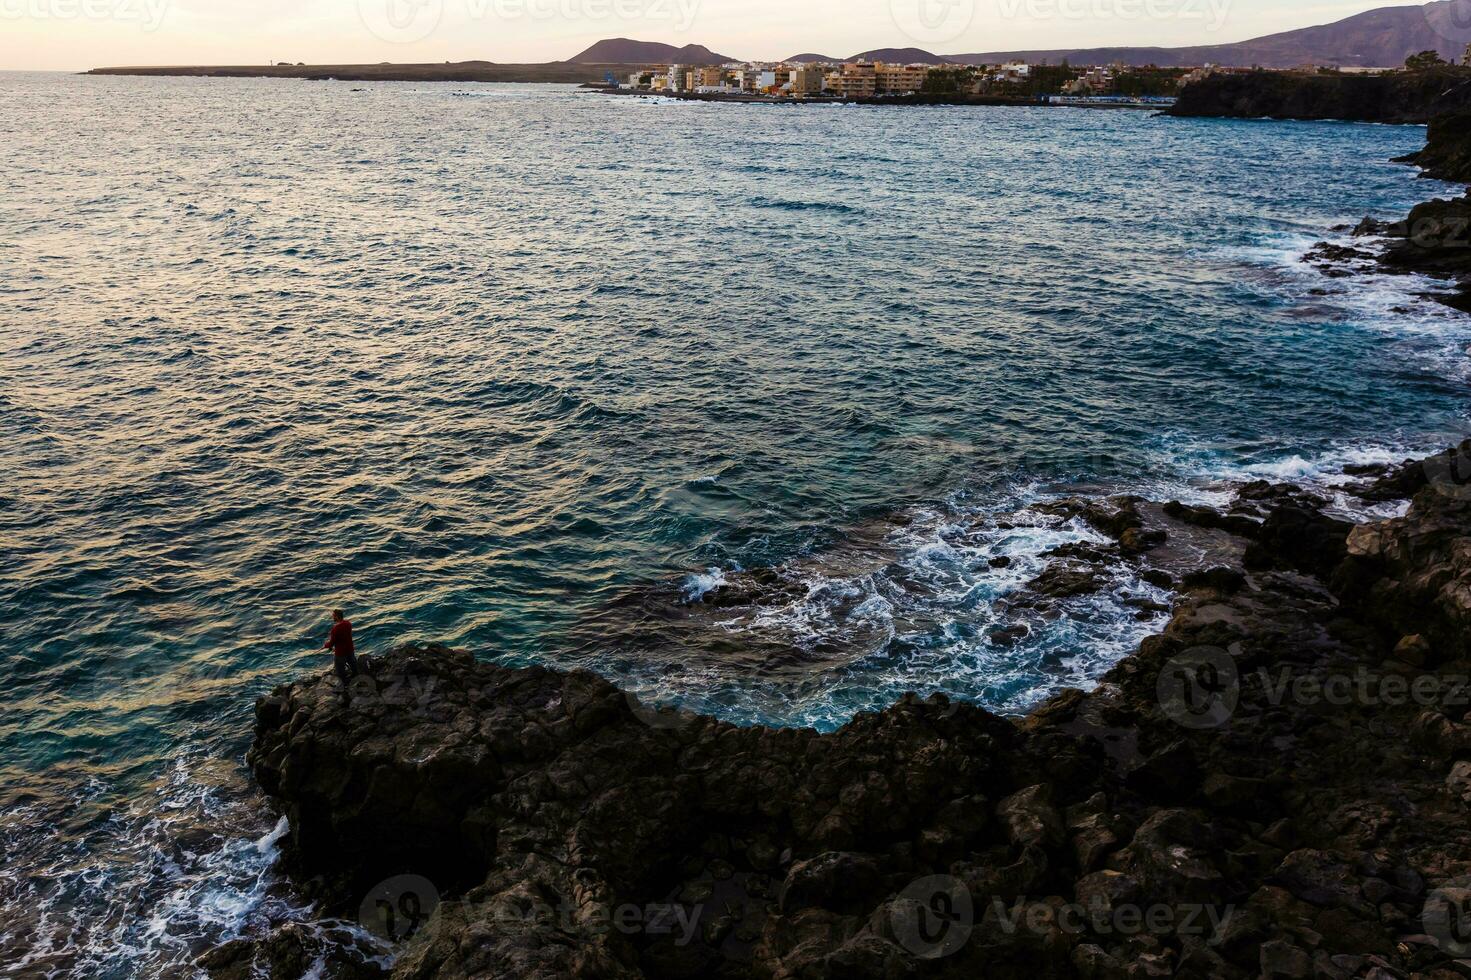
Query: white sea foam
(180, 868)
(696, 587)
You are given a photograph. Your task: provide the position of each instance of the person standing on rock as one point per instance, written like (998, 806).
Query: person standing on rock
(344, 656)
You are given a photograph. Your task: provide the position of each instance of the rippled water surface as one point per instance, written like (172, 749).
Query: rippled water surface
(543, 373)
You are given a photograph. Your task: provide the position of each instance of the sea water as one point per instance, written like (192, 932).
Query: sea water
(543, 373)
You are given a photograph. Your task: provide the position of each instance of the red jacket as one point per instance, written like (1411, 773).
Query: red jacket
(339, 641)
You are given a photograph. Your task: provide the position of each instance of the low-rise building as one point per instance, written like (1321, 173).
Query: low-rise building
(1095, 81)
(858, 80)
(807, 80)
(1016, 71)
(899, 79)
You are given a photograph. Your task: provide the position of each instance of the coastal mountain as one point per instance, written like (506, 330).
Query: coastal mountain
(624, 51)
(900, 56)
(1381, 38)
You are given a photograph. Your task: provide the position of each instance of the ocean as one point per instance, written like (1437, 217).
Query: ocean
(750, 408)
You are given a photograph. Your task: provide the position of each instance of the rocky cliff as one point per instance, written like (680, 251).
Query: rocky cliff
(1398, 97)
(1277, 785)
(1434, 240)
(1447, 153)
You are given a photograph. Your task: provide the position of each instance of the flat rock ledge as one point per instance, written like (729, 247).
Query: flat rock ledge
(1277, 785)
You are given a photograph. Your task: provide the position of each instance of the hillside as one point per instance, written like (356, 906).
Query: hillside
(624, 51)
(1377, 39)
(900, 56)
(1381, 38)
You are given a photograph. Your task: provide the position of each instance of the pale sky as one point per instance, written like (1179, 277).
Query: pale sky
(77, 34)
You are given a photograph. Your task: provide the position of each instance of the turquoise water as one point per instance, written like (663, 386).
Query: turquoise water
(541, 373)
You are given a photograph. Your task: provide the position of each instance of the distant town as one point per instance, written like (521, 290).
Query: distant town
(861, 80)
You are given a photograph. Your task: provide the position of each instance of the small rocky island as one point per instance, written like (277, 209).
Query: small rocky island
(1276, 785)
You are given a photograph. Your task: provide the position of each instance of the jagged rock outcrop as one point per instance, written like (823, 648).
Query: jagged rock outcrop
(1247, 795)
(1435, 239)
(1447, 153)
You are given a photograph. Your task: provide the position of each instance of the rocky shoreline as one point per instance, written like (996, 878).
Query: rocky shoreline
(1434, 240)
(1392, 97)
(1275, 785)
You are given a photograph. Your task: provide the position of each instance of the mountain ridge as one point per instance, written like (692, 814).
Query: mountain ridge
(1379, 38)
(626, 51)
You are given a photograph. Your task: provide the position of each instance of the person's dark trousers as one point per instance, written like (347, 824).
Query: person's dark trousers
(346, 669)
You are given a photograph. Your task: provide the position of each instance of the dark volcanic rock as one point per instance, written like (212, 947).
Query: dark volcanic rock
(1061, 581)
(1296, 537)
(1279, 827)
(1388, 483)
(1435, 240)
(1418, 578)
(1398, 97)
(1447, 153)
